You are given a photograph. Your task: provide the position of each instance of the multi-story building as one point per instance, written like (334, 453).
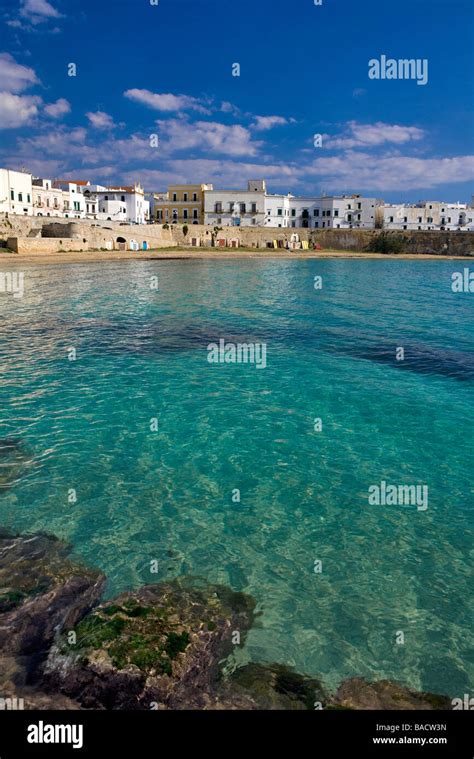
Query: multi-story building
(428, 215)
(73, 197)
(182, 204)
(236, 208)
(126, 203)
(256, 207)
(47, 200)
(16, 192)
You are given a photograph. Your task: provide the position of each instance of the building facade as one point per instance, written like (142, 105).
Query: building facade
(236, 208)
(428, 215)
(256, 207)
(182, 204)
(73, 197)
(126, 204)
(47, 200)
(16, 192)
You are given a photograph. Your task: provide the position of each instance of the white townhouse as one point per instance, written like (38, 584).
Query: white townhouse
(236, 208)
(123, 204)
(277, 210)
(47, 200)
(428, 215)
(16, 192)
(73, 198)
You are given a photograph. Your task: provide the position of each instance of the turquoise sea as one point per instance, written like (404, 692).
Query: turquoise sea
(141, 353)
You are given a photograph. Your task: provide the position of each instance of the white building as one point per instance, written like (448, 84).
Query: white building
(47, 200)
(236, 208)
(123, 204)
(428, 215)
(16, 192)
(255, 207)
(73, 198)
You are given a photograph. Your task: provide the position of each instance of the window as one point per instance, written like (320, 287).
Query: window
(359, 206)
(336, 212)
(279, 212)
(316, 224)
(254, 208)
(420, 219)
(195, 213)
(122, 198)
(175, 214)
(316, 211)
(12, 194)
(349, 206)
(185, 213)
(195, 197)
(175, 197)
(405, 218)
(185, 197)
(218, 208)
(20, 197)
(106, 197)
(242, 208)
(293, 212)
(28, 198)
(391, 219)
(47, 203)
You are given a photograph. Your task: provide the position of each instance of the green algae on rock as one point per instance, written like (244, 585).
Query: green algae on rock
(161, 644)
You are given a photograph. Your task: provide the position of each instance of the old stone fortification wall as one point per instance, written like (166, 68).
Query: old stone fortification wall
(39, 234)
(433, 242)
(66, 234)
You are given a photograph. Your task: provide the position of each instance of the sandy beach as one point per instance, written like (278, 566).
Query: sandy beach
(94, 256)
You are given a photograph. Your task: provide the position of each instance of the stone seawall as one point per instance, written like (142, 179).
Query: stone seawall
(47, 235)
(357, 240)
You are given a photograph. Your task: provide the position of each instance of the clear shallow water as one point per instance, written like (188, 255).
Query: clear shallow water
(142, 353)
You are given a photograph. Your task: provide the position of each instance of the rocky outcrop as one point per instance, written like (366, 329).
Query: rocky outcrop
(160, 647)
(41, 593)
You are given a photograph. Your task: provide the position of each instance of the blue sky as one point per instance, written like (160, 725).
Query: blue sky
(167, 70)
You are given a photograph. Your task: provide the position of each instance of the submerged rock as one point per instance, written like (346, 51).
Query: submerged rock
(357, 693)
(272, 686)
(158, 647)
(14, 460)
(41, 592)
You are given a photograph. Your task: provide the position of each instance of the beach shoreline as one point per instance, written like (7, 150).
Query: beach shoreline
(164, 254)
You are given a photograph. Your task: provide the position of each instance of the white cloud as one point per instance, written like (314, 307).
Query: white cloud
(166, 101)
(13, 76)
(262, 123)
(58, 109)
(100, 120)
(233, 140)
(357, 170)
(372, 135)
(17, 110)
(227, 107)
(38, 10)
